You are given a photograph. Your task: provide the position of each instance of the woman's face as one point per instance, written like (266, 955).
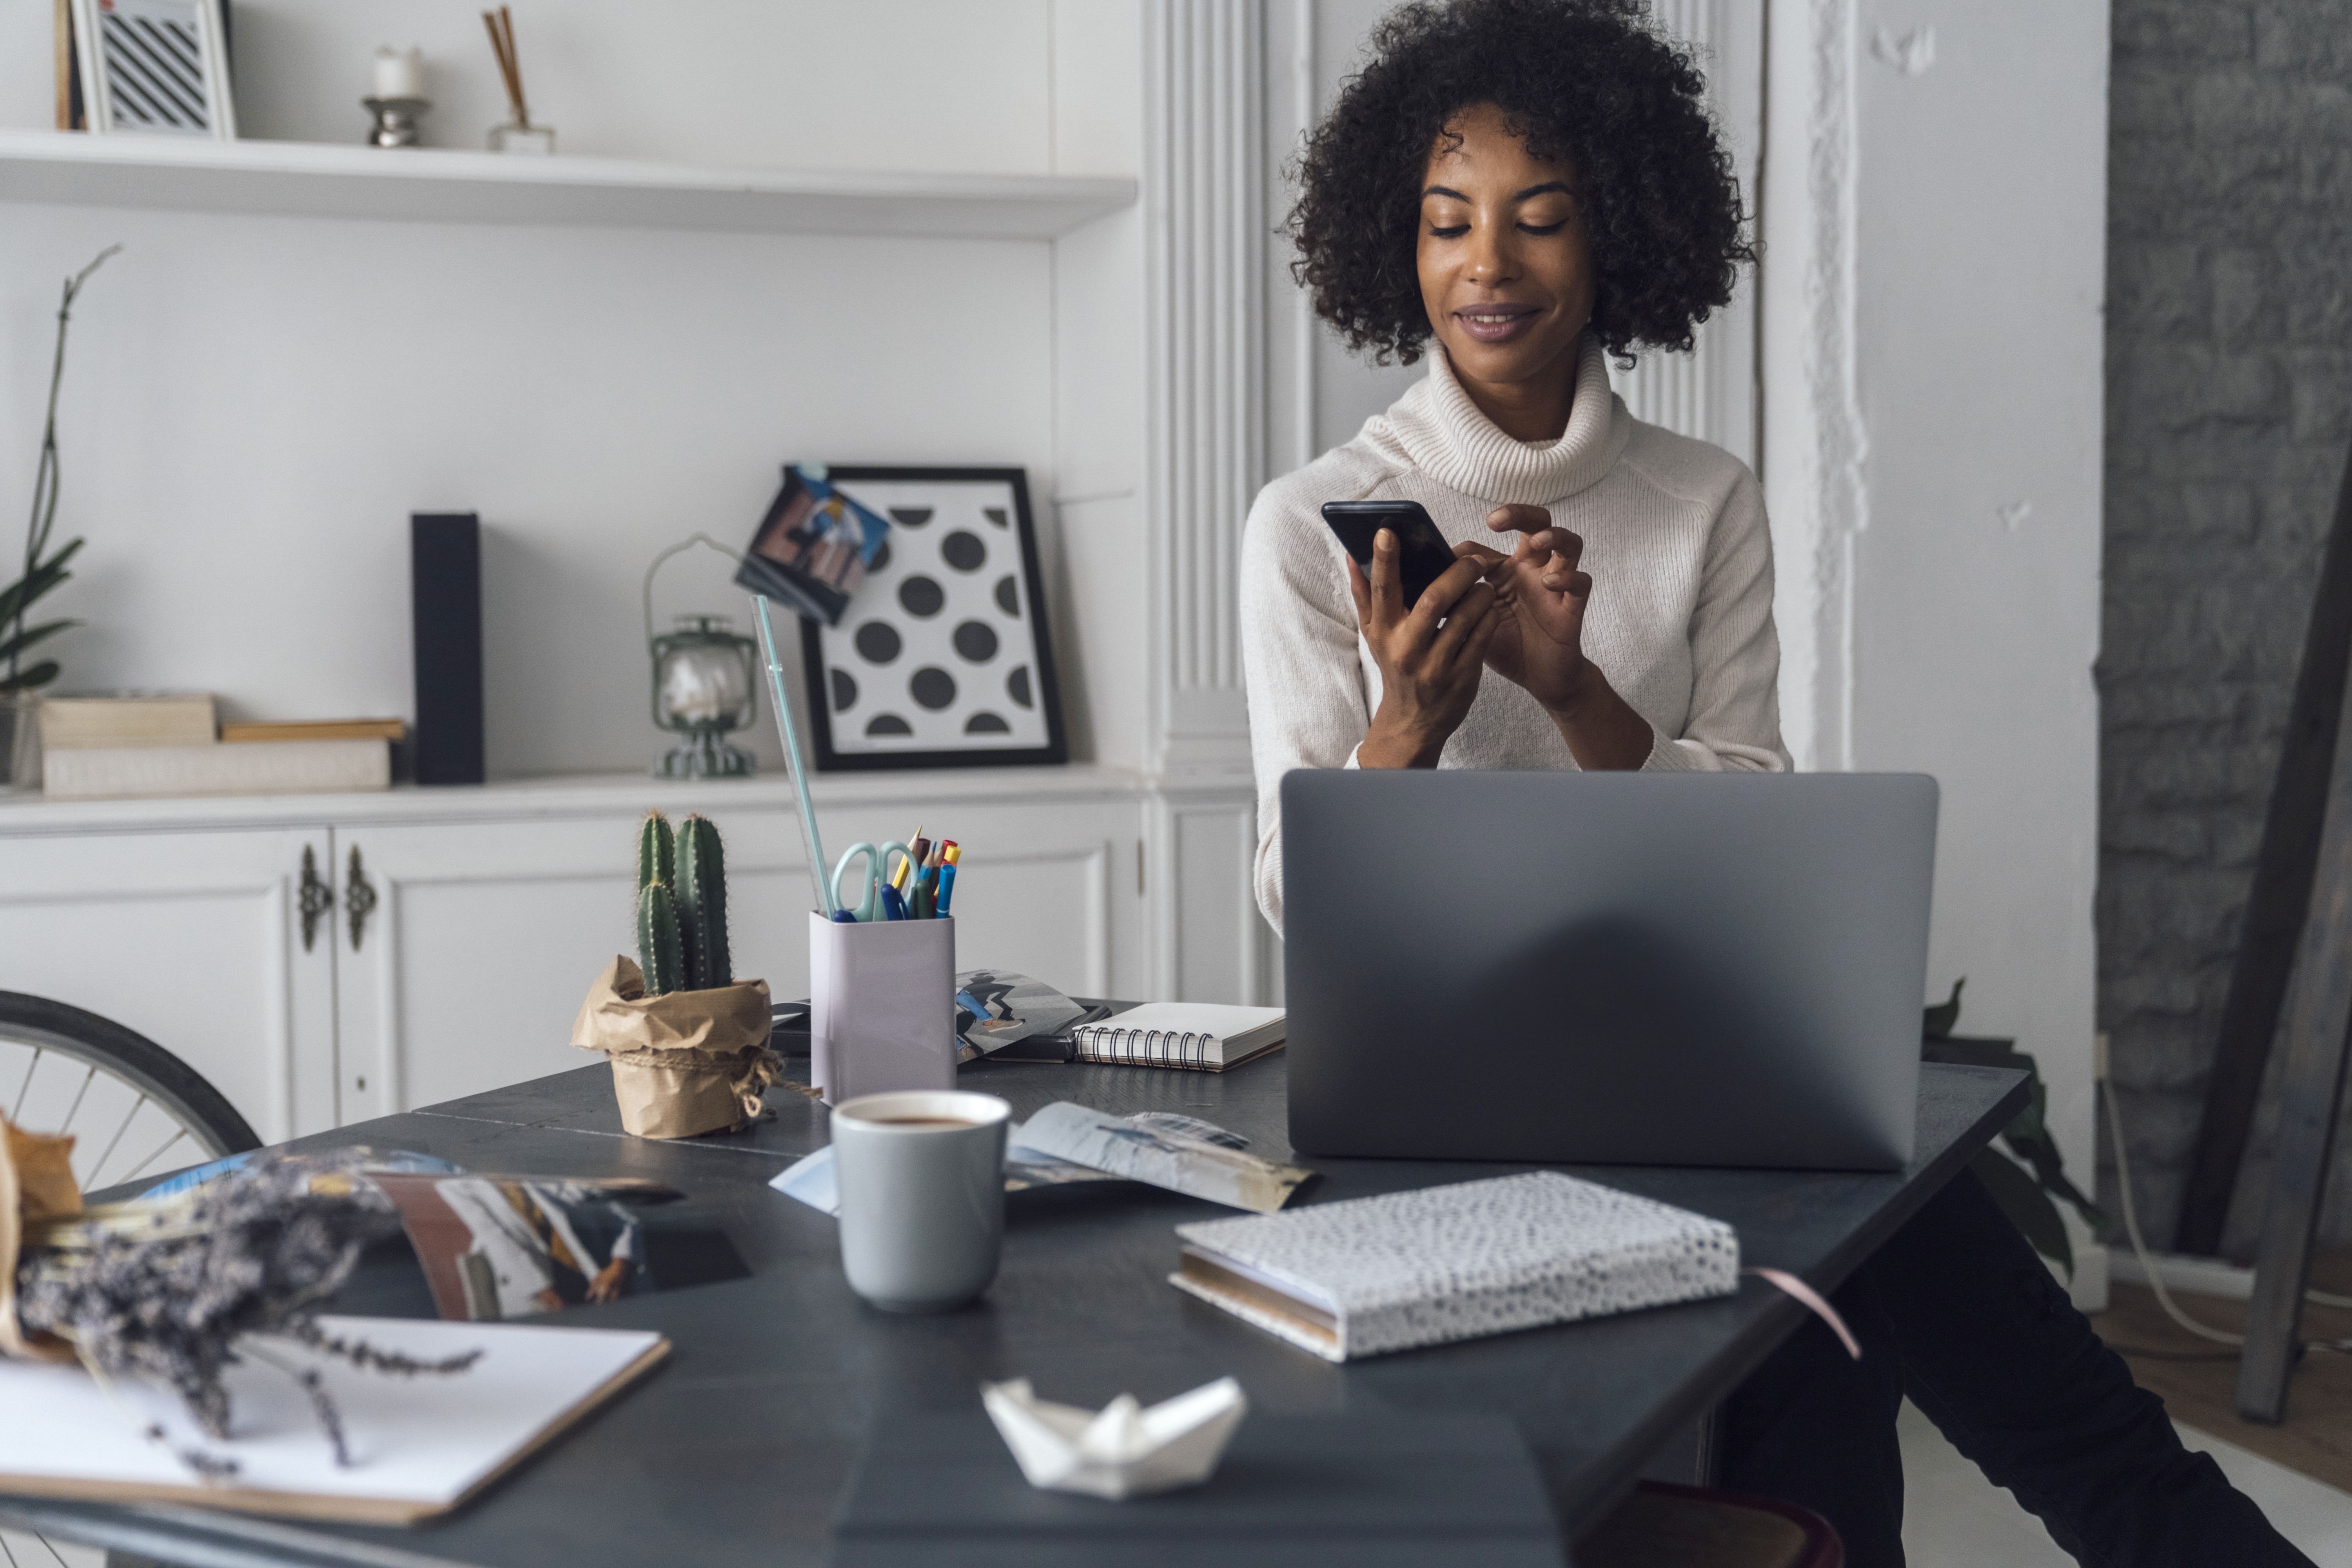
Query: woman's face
(1506, 274)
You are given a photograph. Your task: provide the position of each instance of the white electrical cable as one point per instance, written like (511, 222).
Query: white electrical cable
(2147, 1264)
(2131, 1230)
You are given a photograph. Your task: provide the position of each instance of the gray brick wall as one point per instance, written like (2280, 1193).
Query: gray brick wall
(2229, 410)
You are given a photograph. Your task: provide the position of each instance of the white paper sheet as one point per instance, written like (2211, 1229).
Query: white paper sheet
(424, 1442)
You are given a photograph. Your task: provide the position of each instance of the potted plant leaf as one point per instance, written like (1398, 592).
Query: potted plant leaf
(688, 1042)
(44, 570)
(2030, 1187)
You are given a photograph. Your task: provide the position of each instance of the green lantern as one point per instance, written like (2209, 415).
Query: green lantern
(705, 688)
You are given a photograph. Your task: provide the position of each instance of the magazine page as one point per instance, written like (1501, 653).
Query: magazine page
(497, 1247)
(1147, 1149)
(1201, 1154)
(998, 1007)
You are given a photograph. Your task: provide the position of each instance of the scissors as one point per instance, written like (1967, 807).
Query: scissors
(870, 908)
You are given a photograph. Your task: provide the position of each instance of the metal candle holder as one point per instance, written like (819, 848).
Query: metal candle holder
(395, 119)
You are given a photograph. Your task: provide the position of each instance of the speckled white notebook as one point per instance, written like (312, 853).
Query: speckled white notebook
(1368, 1275)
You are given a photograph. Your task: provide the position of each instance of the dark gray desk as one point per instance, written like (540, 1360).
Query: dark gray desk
(734, 1453)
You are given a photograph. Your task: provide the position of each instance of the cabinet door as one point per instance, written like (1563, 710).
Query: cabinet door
(483, 937)
(1049, 887)
(477, 946)
(194, 939)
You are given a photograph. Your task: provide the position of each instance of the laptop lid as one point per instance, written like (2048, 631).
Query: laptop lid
(1690, 968)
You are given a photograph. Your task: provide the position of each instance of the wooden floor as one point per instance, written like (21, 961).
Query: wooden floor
(2316, 1437)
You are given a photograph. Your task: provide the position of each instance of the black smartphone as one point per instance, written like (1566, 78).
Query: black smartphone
(1423, 554)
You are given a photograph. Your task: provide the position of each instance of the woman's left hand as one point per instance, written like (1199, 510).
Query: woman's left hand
(1540, 607)
(1539, 639)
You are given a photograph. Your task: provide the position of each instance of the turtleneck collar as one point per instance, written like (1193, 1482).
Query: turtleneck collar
(1451, 441)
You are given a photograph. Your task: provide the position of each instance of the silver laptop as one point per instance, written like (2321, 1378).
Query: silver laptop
(1686, 969)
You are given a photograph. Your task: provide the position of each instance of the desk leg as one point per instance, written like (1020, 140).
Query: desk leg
(2319, 1036)
(2311, 1087)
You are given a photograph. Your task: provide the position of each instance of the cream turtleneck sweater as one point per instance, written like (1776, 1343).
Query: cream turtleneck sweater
(1680, 621)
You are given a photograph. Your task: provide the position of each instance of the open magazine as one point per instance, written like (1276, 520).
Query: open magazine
(495, 1247)
(510, 1247)
(1065, 1144)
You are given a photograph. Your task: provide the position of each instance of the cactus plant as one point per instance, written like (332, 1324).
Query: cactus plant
(701, 897)
(660, 950)
(656, 854)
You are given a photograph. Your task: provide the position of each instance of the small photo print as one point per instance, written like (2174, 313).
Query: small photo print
(814, 548)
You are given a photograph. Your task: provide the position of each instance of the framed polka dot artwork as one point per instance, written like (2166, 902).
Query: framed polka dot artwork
(943, 657)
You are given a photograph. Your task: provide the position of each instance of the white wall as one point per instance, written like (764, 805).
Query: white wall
(1098, 335)
(1935, 230)
(254, 406)
(944, 85)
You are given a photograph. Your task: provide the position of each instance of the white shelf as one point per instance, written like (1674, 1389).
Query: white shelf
(314, 180)
(570, 795)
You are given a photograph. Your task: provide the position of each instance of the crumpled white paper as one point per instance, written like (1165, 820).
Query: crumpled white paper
(1122, 1450)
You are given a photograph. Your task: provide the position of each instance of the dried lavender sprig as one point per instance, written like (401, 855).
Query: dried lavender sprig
(267, 1248)
(358, 1352)
(207, 1467)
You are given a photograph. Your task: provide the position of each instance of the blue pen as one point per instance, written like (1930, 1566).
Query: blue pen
(894, 908)
(947, 891)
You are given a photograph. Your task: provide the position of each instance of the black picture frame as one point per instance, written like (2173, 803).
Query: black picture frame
(845, 754)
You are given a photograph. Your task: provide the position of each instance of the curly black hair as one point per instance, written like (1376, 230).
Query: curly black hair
(1592, 83)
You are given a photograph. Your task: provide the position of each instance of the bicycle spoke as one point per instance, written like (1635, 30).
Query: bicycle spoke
(10, 1555)
(26, 1087)
(87, 1079)
(99, 1163)
(151, 1159)
(54, 1552)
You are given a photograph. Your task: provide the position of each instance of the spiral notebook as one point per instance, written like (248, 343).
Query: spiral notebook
(1202, 1036)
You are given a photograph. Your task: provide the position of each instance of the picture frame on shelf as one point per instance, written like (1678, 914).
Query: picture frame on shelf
(153, 67)
(944, 657)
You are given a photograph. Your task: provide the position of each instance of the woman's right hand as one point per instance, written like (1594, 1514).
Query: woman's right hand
(1429, 673)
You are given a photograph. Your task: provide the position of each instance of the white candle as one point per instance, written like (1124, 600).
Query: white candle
(399, 73)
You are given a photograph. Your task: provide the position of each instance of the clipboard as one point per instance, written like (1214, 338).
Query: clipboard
(421, 1445)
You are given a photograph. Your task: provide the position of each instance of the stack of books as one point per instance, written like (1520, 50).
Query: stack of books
(135, 745)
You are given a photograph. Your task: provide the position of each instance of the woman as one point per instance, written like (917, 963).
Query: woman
(1520, 188)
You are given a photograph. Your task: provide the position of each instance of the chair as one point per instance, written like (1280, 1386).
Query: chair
(133, 1107)
(1667, 1526)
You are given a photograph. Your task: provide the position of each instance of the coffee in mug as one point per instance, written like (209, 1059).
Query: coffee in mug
(920, 1174)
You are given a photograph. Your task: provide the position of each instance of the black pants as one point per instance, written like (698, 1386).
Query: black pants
(1958, 1312)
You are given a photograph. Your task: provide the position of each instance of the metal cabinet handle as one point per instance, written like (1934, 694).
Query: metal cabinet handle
(359, 898)
(317, 898)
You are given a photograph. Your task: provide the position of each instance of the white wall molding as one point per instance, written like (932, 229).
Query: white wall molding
(1815, 441)
(1204, 357)
(1710, 392)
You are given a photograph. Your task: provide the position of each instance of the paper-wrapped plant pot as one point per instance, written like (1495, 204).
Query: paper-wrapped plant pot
(684, 1063)
(36, 1185)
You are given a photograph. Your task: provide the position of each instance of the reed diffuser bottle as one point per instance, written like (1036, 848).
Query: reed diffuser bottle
(519, 135)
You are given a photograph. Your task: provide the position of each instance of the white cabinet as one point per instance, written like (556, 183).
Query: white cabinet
(453, 932)
(195, 940)
(466, 971)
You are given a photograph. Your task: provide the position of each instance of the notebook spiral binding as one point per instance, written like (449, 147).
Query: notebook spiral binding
(1149, 1048)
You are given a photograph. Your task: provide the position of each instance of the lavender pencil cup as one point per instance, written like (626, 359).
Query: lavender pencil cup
(881, 1006)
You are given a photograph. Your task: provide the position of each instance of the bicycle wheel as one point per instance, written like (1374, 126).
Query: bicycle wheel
(134, 1109)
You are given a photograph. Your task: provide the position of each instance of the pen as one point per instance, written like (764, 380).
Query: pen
(947, 878)
(894, 908)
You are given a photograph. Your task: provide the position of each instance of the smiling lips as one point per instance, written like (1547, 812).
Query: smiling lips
(1497, 322)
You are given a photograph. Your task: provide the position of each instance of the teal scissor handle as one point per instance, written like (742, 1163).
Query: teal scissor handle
(869, 907)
